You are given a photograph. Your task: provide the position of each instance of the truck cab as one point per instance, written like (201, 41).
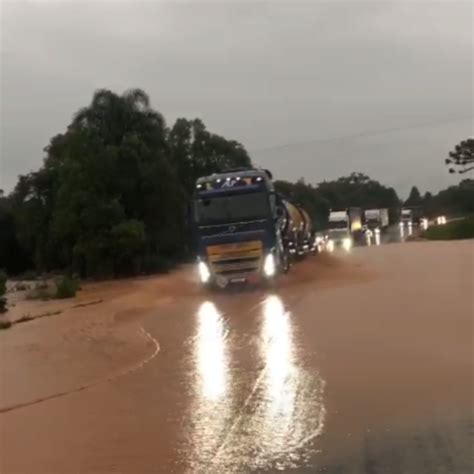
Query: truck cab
(344, 228)
(376, 218)
(236, 222)
(407, 217)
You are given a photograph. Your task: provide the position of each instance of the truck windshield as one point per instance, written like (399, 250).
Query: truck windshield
(338, 225)
(233, 208)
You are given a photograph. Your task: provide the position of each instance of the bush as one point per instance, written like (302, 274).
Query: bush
(66, 287)
(3, 289)
(458, 229)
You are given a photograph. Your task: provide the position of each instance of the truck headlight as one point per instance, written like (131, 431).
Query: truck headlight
(204, 272)
(347, 243)
(330, 245)
(269, 266)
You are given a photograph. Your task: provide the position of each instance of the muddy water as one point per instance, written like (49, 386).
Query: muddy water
(356, 363)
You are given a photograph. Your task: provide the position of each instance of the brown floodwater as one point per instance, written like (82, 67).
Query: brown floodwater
(358, 362)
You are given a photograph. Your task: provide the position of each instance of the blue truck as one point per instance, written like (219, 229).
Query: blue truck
(245, 232)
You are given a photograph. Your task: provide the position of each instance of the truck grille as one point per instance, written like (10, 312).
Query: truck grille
(235, 258)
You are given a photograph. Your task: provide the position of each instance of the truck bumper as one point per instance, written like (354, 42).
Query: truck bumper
(253, 278)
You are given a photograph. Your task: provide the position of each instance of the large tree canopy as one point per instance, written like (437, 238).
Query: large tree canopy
(110, 197)
(197, 152)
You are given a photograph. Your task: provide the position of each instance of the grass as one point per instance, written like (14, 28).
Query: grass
(454, 230)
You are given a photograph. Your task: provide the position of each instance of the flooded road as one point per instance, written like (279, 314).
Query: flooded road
(358, 363)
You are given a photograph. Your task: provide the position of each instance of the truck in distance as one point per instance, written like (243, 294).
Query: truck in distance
(412, 215)
(345, 227)
(376, 220)
(406, 217)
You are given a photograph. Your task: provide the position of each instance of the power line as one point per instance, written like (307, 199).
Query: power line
(365, 133)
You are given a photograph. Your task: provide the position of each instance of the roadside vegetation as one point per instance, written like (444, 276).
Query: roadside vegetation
(4, 323)
(3, 290)
(66, 287)
(454, 230)
(113, 195)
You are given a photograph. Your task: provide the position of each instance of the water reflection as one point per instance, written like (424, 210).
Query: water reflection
(290, 409)
(278, 355)
(266, 411)
(368, 238)
(211, 351)
(372, 238)
(377, 237)
(210, 414)
(402, 231)
(406, 229)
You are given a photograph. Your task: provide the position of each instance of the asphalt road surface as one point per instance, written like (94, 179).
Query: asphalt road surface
(359, 362)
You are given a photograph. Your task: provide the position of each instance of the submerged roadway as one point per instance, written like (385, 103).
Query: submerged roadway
(359, 362)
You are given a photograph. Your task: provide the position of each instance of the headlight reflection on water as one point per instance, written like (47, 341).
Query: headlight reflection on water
(292, 409)
(264, 413)
(278, 355)
(212, 359)
(211, 409)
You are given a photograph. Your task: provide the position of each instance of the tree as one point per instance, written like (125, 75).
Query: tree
(462, 157)
(428, 204)
(454, 200)
(196, 152)
(355, 190)
(308, 197)
(13, 257)
(414, 198)
(358, 190)
(116, 177)
(112, 194)
(3, 289)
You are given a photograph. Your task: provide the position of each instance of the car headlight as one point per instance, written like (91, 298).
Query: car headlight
(204, 272)
(330, 245)
(347, 243)
(269, 265)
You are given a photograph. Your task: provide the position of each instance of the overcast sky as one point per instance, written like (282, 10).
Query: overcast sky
(280, 77)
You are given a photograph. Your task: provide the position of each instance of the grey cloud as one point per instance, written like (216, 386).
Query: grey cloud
(263, 73)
